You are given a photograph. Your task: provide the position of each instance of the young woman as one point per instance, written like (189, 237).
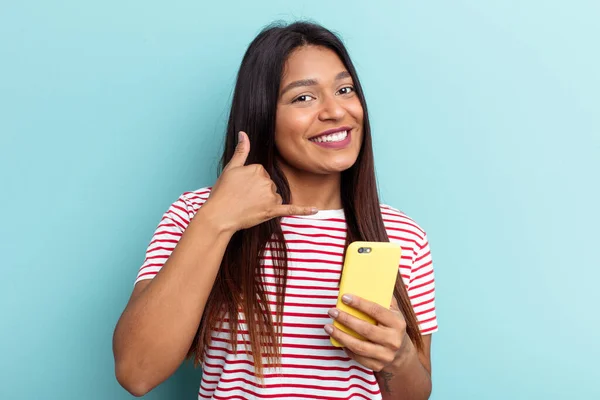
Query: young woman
(244, 276)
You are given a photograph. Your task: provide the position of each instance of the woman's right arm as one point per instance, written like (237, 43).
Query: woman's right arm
(156, 330)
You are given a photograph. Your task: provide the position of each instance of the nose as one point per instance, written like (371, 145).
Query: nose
(331, 109)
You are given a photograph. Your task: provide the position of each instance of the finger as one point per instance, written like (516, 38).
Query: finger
(278, 198)
(360, 347)
(350, 353)
(285, 210)
(368, 362)
(376, 311)
(266, 174)
(378, 334)
(241, 152)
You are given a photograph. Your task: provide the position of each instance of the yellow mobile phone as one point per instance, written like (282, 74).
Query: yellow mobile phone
(370, 271)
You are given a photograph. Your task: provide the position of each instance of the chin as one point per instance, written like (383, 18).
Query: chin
(339, 166)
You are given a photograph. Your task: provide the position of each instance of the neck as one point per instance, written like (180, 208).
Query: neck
(314, 190)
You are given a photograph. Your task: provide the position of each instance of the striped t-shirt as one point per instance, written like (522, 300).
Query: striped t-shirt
(311, 368)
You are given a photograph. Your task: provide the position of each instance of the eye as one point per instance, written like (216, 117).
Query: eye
(302, 99)
(346, 90)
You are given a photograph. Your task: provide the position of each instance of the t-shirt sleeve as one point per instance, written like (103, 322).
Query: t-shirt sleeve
(165, 238)
(421, 289)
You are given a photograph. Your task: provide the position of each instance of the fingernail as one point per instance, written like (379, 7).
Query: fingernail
(329, 329)
(346, 299)
(240, 136)
(314, 210)
(333, 313)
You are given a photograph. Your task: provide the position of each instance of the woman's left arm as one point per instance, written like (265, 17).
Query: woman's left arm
(402, 372)
(412, 379)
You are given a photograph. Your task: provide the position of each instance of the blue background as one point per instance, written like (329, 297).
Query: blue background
(487, 132)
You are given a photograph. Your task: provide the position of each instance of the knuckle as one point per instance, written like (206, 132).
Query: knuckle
(343, 318)
(361, 348)
(402, 324)
(388, 358)
(267, 214)
(396, 343)
(368, 330)
(374, 310)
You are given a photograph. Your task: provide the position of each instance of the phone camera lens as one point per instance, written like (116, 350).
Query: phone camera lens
(361, 250)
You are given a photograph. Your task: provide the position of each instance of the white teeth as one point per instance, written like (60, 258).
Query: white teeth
(334, 137)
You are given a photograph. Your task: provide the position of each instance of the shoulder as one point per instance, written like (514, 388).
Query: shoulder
(402, 229)
(196, 198)
(188, 204)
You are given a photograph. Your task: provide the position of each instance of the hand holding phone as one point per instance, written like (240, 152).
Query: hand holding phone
(370, 272)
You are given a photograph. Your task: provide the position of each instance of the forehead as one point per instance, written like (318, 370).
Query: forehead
(312, 62)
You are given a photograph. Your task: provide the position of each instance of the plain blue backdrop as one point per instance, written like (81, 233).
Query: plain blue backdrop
(487, 132)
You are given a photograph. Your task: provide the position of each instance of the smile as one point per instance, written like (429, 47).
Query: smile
(337, 139)
(334, 137)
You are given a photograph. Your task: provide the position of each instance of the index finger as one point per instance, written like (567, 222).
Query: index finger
(285, 210)
(379, 313)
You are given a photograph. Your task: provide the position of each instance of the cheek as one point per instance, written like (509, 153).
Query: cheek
(291, 125)
(285, 130)
(356, 111)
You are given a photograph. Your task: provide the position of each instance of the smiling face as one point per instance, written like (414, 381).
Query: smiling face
(319, 123)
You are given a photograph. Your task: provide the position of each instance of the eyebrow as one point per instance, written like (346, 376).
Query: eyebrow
(312, 82)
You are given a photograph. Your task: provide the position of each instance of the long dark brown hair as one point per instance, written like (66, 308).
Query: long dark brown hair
(238, 285)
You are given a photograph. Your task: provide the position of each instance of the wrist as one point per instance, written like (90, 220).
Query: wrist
(406, 355)
(215, 220)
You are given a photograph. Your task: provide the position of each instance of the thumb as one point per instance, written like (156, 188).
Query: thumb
(241, 152)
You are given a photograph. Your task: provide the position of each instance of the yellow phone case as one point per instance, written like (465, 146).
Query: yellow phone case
(370, 275)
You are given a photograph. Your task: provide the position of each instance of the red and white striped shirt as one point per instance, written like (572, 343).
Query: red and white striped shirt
(311, 367)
